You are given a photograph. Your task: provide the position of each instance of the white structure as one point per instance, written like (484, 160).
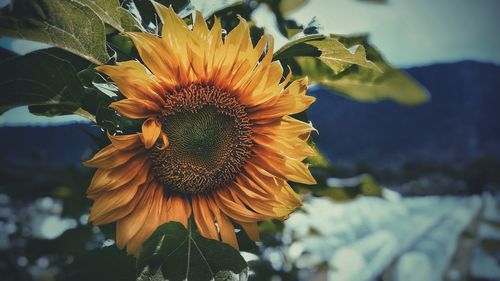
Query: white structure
(360, 239)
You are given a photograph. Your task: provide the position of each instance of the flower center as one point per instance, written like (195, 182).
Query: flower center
(209, 140)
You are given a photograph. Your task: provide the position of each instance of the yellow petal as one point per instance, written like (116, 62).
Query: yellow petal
(235, 208)
(136, 109)
(214, 41)
(200, 26)
(204, 217)
(134, 81)
(125, 142)
(151, 129)
(117, 213)
(278, 188)
(175, 35)
(150, 224)
(235, 47)
(158, 57)
(251, 229)
(109, 179)
(180, 209)
(268, 208)
(226, 228)
(127, 227)
(106, 203)
(268, 88)
(291, 147)
(244, 74)
(292, 101)
(282, 166)
(287, 127)
(110, 157)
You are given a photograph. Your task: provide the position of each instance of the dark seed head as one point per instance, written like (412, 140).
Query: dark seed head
(209, 136)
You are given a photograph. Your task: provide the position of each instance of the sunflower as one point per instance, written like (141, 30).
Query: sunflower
(217, 140)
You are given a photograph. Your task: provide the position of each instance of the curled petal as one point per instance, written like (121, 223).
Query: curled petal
(151, 129)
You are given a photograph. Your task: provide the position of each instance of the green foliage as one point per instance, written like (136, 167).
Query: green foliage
(110, 12)
(346, 189)
(328, 50)
(180, 254)
(352, 67)
(53, 82)
(287, 6)
(318, 160)
(366, 85)
(69, 25)
(105, 264)
(71, 242)
(339, 58)
(123, 47)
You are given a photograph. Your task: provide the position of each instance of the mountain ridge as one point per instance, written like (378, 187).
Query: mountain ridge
(457, 124)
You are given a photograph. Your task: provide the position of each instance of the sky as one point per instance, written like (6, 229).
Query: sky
(416, 32)
(407, 32)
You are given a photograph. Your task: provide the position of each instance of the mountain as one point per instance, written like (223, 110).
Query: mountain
(460, 122)
(47, 146)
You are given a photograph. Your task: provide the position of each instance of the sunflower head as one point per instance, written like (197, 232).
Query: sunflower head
(217, 140)
(209, 136)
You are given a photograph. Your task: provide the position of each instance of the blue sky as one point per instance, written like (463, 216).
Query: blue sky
(408, 32)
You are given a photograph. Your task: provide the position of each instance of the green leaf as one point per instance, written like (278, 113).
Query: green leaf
(146, 12)
(370, 187)
(318, 160)
(297, 47)
(71, 242)
(336, 56)
(105, 264)
(110, 12)
(288, 6)
(181, 254)
(124, 48)
(329, 50)
(366, 84)
(94, 99)
(346, 188)
(42, 80)
(97, 103)
(246, 243)
(69, 25)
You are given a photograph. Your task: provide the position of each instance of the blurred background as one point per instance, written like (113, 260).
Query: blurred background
(405, 193)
